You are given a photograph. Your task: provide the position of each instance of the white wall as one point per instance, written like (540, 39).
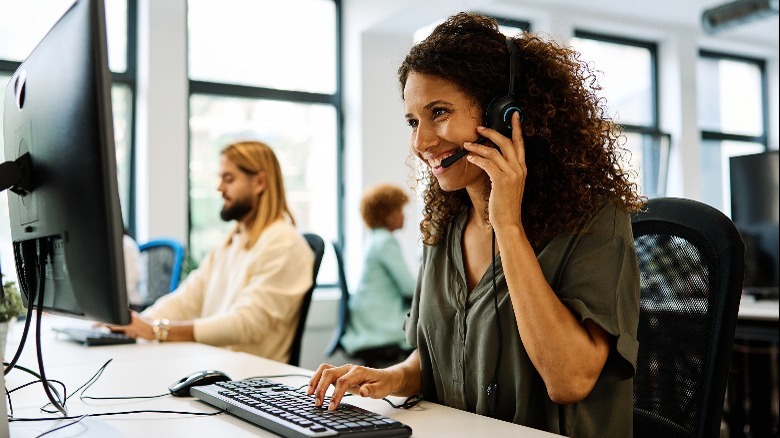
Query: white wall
(376, 36)
(161, 120)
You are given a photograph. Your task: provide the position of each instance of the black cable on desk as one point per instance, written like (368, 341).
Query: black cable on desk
(106, 414)
(63, 426)
(44, 251)
(30, 304)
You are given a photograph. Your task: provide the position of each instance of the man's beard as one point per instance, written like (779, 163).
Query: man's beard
(237, 211)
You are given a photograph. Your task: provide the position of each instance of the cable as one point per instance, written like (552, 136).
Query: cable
(86, 386)
(63, 426)
(92, 380)
(133, 397)
(106, 414)
(43, 256)
(37, 381)
(409, 403)
(38, 377)
(492, 388)
(30, 304)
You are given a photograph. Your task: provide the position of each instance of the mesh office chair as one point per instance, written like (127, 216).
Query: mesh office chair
(161, 262)
(691, 260)
(318, 247)
(378, 357)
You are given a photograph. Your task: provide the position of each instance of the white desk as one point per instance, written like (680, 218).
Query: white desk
(148, 368)
(750, 308)
(754, 357)
(758, 320)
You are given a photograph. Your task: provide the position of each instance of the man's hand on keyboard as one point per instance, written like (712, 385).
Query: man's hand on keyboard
(139, 327)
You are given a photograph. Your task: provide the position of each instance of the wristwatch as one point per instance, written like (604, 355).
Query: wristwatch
(161, 328)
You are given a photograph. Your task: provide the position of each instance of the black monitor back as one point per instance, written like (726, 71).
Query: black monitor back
(58, 108)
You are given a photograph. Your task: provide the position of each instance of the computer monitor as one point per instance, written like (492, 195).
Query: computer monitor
(61, 171)
(755, 209)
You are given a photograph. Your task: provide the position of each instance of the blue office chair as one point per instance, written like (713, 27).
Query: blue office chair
(161, 263)
(692, 261)
(318, 247)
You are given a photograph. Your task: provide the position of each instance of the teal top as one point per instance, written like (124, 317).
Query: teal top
(378, 307)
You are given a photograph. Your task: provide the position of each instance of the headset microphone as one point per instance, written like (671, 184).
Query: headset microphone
(449, 161)
(498, 114)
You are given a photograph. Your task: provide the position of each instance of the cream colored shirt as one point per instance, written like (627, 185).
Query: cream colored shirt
(132, 269)
(246, 299)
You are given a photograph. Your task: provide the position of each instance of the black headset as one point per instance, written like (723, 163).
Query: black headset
(498, 114)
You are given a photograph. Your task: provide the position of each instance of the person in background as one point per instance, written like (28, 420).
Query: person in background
(132, 270)
(379, 306)
(246, 294)
(527, 305)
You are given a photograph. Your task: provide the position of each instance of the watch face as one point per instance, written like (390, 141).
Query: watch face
(160, 328)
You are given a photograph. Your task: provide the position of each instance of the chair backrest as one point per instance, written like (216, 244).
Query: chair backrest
(318, 247)
(341, 324)
(161, 261)
(691, 261)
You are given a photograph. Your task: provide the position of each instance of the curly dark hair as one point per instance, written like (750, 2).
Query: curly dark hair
(572, 147)
(379, 202)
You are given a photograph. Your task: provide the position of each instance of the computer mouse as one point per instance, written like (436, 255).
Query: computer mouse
(181, 388)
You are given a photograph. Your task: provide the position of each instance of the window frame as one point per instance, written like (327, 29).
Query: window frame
(129, 79)
(652, 130)
(523, 25)
(725, 136)
(652, 47)
(218, 89)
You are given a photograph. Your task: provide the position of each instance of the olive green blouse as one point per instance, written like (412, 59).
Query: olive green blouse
(594, 273)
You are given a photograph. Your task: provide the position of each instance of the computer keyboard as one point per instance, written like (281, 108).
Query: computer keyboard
(291, 413)
(91, 337)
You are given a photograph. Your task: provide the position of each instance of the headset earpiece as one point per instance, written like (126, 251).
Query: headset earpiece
(498, 114)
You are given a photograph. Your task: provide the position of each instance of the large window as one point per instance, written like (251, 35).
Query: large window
(732, 118)
(507, 26)
(22, 25)
(628, 78)
(272, 76)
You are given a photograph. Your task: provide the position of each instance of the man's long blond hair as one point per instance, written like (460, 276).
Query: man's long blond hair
(253, 157)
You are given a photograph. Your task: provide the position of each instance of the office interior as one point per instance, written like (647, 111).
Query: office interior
(371, 138)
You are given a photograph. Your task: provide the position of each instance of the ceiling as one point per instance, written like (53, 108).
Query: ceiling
(659, 14)
(679, 12)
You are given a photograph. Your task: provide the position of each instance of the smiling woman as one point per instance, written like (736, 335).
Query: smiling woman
(509, 318)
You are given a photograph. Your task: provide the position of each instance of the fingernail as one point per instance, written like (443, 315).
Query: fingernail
(480, 128)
